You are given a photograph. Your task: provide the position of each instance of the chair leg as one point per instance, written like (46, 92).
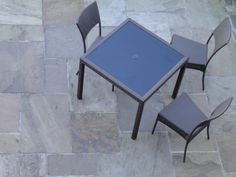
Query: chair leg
(153, 130)
(203, 80)
(208, 135)
(113, 87)
(185, 151)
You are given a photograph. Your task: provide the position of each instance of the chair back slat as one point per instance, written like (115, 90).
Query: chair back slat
(221, 108)
(222, 34)
(88, 19)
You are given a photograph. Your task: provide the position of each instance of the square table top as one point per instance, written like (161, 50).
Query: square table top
(135, 59)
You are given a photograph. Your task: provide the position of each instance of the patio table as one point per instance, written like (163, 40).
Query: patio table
(136, 61)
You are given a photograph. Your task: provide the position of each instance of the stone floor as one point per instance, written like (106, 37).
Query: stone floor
(45, 131)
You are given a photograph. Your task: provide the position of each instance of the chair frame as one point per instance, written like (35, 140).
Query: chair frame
(201, 126)
(92, 9)
(201, 67)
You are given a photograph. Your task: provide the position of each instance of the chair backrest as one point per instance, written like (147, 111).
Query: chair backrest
(87, 20)
(222, 35)
(221, 108)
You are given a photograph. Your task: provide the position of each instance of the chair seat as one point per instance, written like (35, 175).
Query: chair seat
(95, 42)
(182, 115)
(195, 51)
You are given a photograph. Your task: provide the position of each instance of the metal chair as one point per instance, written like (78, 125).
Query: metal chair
(186, 119)
(87, 20)
(198, 52)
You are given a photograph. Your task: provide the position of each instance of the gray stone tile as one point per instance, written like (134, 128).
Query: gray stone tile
(220, 88)
(55, 13)
(147, 156)
(153, 6)
(21, 12)
(55, 76)
(112, 13)
(97, 93)
(9, 119)
(63, 42)
(82, 164)
(22, 33)
(230, 175)
(22, 67)
(33, 165)
(45, 124)
(223, 62)
(155, 22)
(197, 165)
(211, 11)
(95, 132)
(9, 143)
(9, 165)
(127, 109)
(225, 129)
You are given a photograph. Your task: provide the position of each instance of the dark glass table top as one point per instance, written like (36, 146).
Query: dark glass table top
(134, 57)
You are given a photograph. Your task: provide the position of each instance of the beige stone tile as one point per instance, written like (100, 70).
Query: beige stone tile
(45, 124)
(147, 156)
(95, 132)
(9, 112)
(55, 13)
(197, 165)
(74, 164)
(9, 143)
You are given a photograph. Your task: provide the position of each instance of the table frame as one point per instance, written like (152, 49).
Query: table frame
(141, 100)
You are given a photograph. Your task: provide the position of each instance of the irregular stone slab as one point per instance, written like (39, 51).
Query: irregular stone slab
(45, 124)
(127, 109)
(22, 33)
(55, 76)
(9, 143)
(21, 68)
(153, 6)
(197, 164)
(9, 165)
(33, 165)
(63, 42)
(224, 129)
(95, 132)
(112, 13)
(9, 112)
(55, 13)
(21, 12)
(219, 89)
(97, 92)
(155, 22)
(211, 11)
(147, 156)
(83, 164)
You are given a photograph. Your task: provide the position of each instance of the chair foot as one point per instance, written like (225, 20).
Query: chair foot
(203, 81)
(185, 151)
(153, 130)
(113, 87)
(208, 135)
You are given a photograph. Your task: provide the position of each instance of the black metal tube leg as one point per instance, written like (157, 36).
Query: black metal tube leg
(80, 81)
(153, 130)
(203, 80)
(137, 120)
(178, 82)
(208, 135)
(113, 87)
(185, 151)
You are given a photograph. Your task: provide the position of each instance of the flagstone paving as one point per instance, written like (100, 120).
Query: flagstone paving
(46, 131)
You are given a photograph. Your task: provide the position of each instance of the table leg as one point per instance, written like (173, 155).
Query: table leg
(178, 82)
(80, 81)
(137, 120)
